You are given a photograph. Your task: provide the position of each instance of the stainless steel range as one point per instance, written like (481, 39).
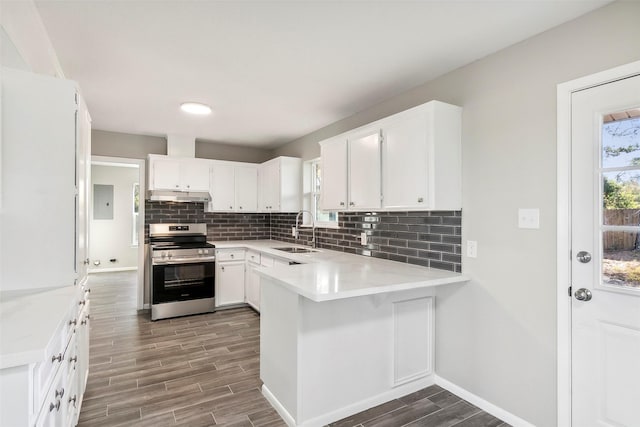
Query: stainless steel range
(183, 270)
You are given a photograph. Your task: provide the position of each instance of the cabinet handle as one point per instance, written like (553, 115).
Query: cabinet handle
(352, 204)
(341, 203)
(73, 399)
(74, 359)
(222, 268)
(240, 207)
(177, 186)
(232, 255)
(188, 186)
(82, 302)
(73, 322)
(56, 406)
(60, 393)
(84, 322)
(86, 261)
(420, 199)
(230, 207)
(56, 358)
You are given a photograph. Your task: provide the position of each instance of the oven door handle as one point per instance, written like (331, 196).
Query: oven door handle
(182, 260)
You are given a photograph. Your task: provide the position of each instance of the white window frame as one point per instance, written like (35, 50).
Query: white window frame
(135, 215)
(311, 198)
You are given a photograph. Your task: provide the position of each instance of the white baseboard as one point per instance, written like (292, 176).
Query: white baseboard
(286, 416)
(324, 419)
(111, 270)
(489, 407)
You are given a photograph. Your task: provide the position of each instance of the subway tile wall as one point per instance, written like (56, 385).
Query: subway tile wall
(431, 239)
(220, 226)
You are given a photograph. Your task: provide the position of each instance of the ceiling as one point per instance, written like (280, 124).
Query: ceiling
(273, 71)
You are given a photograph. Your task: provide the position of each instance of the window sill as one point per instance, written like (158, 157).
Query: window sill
(322, 225)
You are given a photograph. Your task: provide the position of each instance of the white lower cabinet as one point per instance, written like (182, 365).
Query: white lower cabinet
(252, 280)
(230, 280)
(49, 392)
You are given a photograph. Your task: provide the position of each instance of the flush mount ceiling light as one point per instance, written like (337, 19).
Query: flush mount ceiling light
(195, 108)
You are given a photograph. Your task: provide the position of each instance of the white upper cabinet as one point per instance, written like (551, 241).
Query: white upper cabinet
(246, 185)
(178, 173)
(280, 185)
(364, 169)
(45, 178)
(351, 171)
(334, 160)
(222, 187)
(408, 161)
(234, 187)
(421, 158)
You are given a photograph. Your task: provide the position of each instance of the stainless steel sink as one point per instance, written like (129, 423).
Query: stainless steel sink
(295, 250)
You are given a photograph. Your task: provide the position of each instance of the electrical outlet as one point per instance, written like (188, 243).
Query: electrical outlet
(472, 248)
(363, 238)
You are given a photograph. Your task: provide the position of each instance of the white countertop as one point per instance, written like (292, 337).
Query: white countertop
(28, 321)
(328, 275)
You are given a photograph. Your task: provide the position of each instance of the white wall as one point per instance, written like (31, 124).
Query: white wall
(496, 336)
(112, 238)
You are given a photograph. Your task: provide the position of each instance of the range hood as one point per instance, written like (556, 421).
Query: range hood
(179, 146)
(179, 196)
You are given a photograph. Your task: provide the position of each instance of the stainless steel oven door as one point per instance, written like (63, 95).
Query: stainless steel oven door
(182, 281)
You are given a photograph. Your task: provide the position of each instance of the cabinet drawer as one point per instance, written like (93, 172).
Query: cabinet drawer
(58, 353)
(229, 255)
(53, 411)
(253, 256)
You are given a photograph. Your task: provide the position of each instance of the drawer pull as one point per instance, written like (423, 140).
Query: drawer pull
(84, 322)
(83, 302)
(73, 399)
(73, 322)
(74, 359)
(58, 358)
(55, 406)
(60, 393)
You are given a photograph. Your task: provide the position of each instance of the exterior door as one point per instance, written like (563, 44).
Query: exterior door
(605, 269)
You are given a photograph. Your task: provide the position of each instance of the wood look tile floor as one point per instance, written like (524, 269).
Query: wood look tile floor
(204, 370)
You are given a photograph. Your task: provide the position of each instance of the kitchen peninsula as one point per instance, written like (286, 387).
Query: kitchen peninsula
(341, 333)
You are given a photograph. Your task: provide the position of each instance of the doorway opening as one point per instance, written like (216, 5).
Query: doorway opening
(116, 225)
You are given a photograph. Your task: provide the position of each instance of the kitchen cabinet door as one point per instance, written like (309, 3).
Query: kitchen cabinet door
(406, 161)
(269, 175)
(83, 181)
(165, 173)
(229, 283)
(421, 158)
(333, 194)
(194, 174)
(246, 188)
(252, 286)
(364, 169)
(222, 187)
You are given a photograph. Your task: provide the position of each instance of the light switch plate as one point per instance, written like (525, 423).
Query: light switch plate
(529, 218)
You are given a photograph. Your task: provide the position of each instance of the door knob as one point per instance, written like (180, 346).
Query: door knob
(583, 256)
(583, 294)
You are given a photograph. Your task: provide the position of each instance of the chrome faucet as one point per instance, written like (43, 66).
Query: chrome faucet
(313, 226)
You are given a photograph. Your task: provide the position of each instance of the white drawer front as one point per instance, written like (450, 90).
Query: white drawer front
(229, 255)
(253, 256)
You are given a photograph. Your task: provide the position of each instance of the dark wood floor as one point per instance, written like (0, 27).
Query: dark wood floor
(204, 370)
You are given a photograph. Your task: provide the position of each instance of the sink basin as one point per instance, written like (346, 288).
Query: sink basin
(294, 250)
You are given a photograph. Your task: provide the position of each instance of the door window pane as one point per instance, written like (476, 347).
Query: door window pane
(620, 142)
(621, 199)
(621, 258)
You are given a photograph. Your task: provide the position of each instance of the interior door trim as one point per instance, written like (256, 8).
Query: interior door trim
(563, 242)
